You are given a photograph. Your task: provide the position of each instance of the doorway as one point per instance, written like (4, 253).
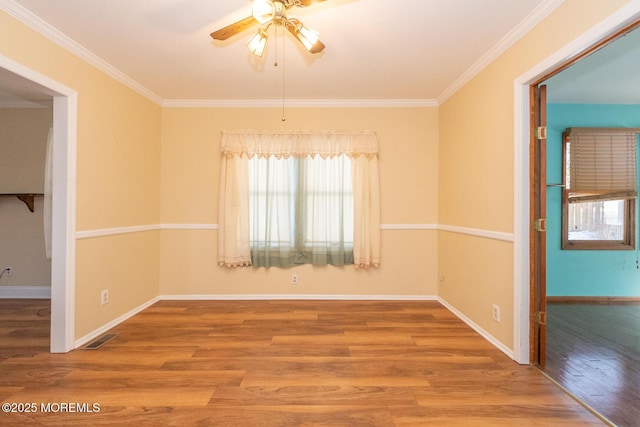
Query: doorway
(63, 200)
(590, 346)
(539, 186)
(528, 135)
(590, 41)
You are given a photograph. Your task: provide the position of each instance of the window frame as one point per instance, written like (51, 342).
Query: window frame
(628, 241)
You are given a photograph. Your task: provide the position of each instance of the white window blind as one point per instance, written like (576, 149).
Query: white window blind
(601, 164)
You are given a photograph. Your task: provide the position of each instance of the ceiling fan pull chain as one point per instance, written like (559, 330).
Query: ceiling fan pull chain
(275, 44)
(283, 49)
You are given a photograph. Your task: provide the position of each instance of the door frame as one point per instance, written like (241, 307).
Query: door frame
(63, 244)
(538, 235)
(588, 42)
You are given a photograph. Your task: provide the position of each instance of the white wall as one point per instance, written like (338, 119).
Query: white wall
(23, 138)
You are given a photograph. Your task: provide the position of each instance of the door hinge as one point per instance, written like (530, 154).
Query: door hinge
(540, 225)
(541, 318)
(541, 132)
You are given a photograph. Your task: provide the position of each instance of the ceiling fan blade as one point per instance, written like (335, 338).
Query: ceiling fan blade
(235, 28)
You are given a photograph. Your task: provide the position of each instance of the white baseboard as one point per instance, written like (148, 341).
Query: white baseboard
(101, 330)
(25, 292)
(486, 335)
(256, 297)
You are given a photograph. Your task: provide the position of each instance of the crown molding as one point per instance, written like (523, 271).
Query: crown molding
(53, 34)
(300, 103)
(526, 25)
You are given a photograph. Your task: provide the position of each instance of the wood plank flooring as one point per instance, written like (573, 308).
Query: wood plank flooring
(277, 363)
(594, 352)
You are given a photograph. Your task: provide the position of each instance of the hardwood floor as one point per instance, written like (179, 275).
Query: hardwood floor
(594, 352)
(276, 363)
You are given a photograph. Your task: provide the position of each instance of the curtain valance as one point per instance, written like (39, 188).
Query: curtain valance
(299, 143)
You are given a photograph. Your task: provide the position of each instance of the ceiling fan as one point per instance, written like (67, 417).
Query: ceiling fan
(268, 12)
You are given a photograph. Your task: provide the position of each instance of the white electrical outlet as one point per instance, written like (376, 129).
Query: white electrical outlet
(104, 297)
(294, 279)
(496, 313)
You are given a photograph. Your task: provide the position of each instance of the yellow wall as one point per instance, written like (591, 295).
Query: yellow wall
(408, 140)
(118, 177)
(476, 180)
(126, 265)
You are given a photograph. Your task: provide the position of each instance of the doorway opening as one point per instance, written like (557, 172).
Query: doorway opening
(538, 192)
(531, 186)
(524, 258)
(63, 200)
(587, 339)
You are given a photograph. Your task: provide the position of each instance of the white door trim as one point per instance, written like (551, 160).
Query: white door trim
(65, 120)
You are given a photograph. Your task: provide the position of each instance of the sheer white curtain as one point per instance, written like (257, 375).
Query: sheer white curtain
(366, 196)
(272, 204)
(301, 211)
(307, 150)
(325, 211)
(233, 211)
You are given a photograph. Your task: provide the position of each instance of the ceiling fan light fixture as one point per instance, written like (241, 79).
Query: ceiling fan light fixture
(307, 36)
(257, 43)
(272, 12)
(262, 11)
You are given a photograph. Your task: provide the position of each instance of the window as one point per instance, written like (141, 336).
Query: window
(599, 196)
(314, 197)
(301, 211)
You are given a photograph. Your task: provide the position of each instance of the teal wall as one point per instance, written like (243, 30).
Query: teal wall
(579, 272)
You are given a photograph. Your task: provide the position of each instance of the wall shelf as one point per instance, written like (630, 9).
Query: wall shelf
(26, 198)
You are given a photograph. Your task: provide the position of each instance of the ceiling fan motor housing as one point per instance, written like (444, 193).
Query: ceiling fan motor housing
(279, 12)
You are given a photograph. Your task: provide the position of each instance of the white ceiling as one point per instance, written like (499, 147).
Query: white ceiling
(376, 49)
(611, 75)
(409, 50)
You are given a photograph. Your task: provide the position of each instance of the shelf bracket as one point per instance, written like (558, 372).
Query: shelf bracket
(26, 198)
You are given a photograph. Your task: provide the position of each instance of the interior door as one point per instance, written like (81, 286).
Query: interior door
(538, 237)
